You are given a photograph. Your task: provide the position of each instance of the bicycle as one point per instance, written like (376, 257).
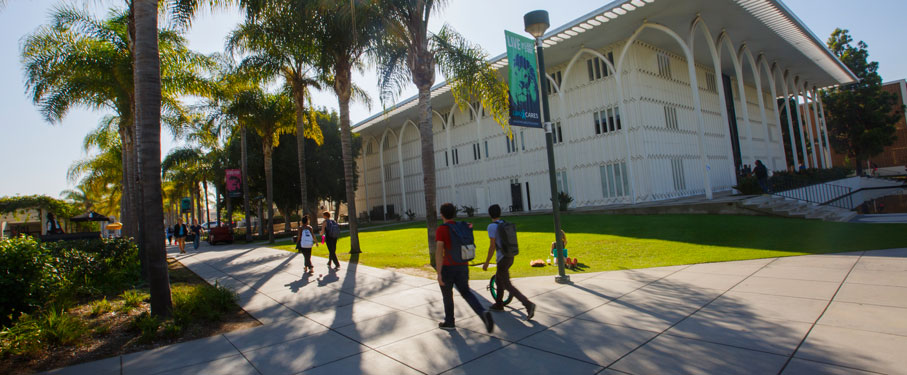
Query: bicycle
(492, 287)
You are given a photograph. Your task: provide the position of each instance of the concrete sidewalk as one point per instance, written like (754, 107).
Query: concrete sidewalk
(829, 314)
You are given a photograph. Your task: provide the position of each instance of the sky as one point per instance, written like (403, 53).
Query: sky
(35, 155)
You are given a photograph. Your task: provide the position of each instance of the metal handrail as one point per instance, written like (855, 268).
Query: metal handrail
(818, 193)
(849, 196)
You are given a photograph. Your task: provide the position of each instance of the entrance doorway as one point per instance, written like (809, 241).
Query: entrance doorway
(516, 196)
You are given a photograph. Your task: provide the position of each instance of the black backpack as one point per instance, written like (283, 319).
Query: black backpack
(506, 232)
(332, 229)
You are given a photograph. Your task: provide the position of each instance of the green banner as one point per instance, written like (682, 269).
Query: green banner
(525, 109)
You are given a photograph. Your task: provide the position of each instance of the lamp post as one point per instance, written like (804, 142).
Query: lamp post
(536, 22)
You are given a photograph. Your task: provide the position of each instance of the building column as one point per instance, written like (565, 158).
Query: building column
(364, 180)
(825, 134)
(800, 127)
(450, 168)
(383, 182)
(814, 95)
(790, 122)
(776, 112)
(808, 125)
(400, 161)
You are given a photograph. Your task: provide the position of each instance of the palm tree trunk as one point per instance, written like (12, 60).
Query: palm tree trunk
(198, 201)
(244, 164)
(207, 212)
(269, 182)
(428, 166)
(343, 89)
(148, 112)
(299, 96)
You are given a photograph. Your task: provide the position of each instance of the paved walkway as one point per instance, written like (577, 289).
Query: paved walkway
(830, 314)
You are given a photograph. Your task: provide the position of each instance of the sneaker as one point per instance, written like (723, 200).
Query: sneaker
(447, 326)
(530, 311)
(496, 307)
(489, 321)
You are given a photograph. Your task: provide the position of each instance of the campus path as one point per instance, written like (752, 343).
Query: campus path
(829, 314)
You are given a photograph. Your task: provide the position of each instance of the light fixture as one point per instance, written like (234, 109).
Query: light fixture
(536, 22)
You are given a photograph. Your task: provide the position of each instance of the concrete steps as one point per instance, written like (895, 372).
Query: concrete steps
(779, 206)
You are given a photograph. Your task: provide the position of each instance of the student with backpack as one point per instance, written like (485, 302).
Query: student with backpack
(330, 231)
(502, 238)
(304, 242)
(454, 249)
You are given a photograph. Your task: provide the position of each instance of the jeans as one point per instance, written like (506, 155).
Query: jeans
(196, 240)
(502, 280)
(332, 251)
(763, 184)
(457, 276)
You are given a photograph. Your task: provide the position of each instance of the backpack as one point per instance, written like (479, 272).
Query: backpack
(305, 238)
(506, 232)
(332, 229)
(462, 244)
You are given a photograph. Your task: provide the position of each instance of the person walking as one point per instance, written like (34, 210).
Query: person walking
(497, 236)
(330, 231)
(304, 242)
(169, 233)
(454, 274)
(180, 231)
(197, 232)
(761, 173)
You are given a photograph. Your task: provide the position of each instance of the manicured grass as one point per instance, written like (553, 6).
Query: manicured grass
(612, 242)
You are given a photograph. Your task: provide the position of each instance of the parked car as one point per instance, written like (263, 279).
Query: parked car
(209, 225)
(220, 234)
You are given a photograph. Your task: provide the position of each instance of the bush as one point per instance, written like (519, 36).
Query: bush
(62, 328)
(784, 180)
(147, 325)
(564, 200)
(28, 277)
(469, 210)
(201, 303)
(101, 306)
(92, 267)
(131, 300)
(32, 333)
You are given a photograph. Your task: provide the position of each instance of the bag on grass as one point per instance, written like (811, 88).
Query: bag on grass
(462, 243)
(507, 233)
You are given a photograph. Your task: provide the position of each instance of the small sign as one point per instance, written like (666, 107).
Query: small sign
(234, 183)
(525, 104)
(185, 205)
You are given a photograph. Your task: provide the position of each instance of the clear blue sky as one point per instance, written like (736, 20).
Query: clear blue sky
(35, 155)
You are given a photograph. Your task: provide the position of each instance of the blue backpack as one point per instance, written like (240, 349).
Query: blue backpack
(332, 229)
(462, 243)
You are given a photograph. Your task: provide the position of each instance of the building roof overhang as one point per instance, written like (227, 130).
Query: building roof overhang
(766, 27)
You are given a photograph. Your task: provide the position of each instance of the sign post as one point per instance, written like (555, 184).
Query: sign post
(529, 106)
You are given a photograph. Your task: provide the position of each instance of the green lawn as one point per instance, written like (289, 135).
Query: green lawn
(612, 242)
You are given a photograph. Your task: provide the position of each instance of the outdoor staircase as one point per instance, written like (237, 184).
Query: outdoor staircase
(780, 206)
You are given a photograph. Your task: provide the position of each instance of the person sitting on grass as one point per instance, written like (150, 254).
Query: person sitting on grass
(567, 262)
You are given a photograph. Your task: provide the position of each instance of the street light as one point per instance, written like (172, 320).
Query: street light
(536, 23)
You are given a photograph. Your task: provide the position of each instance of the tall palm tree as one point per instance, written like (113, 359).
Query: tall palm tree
(346, 32)
(410, 52)
(269, 115)
(279, 42)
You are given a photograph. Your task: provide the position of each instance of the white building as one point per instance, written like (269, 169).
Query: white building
(647, 102)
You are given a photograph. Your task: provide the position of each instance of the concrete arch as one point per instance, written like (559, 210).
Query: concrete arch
(818, 128)
(809, 124)
(694, 87)
(400, 159)
(384, 135)
(745, 54)
(771, 73)
(798, 91)
(724, 40)
(700, 24)
(369, 140)
(785, 78)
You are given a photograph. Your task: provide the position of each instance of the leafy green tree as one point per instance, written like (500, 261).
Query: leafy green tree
(269, 115)
(280, 43)
(410, 52)
(861, 117)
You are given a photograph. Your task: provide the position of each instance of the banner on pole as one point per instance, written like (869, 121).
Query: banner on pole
(234, 183)
(185, 205)
(525, 108)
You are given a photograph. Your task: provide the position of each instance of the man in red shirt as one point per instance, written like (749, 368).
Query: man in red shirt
(451, 274)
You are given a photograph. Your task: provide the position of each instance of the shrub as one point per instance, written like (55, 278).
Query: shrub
(32, 333)
(27, 277)
(101, 306)
(91, 267)
(784, 180)
(147, 325)
(410, 214)
(131, 299)
(62, 328)
(469, 210)
(201, 303)
(564, 200)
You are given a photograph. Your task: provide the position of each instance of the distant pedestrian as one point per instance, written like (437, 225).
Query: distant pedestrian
(802, 168)
(746, 170)
(53, 226)
(502, 240)
(761, 173)
(169, 232)
(454, 274)
(196, 232)
(330, 231)
(304, 242)
(180, 231)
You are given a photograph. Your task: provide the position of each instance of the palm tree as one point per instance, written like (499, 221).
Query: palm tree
(346, 32)
(409, 51)
(280, 42)
(269, 115)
